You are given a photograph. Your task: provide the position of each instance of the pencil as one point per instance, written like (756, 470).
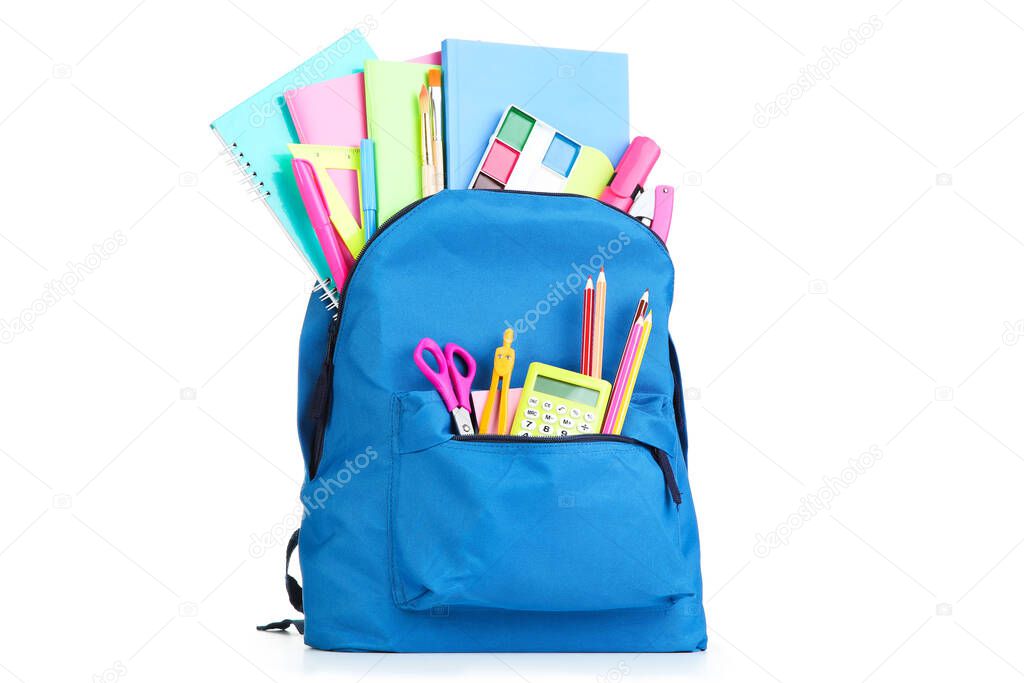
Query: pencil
(597, 355)
(620, 419)
(641, 307)
(622, 377)
(426, 146)
(586, 350)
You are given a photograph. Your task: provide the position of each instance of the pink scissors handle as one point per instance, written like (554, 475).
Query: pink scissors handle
(462, 384)
(439, 378)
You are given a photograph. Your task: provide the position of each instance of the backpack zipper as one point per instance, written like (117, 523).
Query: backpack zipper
(660, 457)
(335, 324)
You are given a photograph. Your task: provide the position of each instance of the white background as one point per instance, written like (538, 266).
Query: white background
(835, 292)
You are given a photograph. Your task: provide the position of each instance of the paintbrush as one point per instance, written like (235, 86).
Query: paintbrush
(426, 145)
(434, 88)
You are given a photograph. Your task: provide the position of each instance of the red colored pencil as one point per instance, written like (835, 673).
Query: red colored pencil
(586, 348)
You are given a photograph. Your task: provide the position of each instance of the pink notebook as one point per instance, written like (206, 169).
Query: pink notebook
(334, 113)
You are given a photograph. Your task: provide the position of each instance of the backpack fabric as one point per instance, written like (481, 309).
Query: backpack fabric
(414, 540)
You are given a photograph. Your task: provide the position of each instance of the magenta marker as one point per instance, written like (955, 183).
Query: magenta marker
(631, 173)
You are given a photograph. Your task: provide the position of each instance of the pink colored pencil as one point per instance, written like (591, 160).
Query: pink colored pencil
(622, 377)
(586, 347)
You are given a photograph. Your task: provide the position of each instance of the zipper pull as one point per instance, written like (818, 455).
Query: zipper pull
(661, 457)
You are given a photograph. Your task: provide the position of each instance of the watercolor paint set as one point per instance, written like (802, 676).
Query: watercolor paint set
(527, 154)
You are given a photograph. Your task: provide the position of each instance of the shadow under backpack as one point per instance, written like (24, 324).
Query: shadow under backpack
(416, 540)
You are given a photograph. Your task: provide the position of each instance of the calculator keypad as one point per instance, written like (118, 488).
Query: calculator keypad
(544, 417)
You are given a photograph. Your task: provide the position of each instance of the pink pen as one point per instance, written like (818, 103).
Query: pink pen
(631, 173)
(338, 257)
(622, 377)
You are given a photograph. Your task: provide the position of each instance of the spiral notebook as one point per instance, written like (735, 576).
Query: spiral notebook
(256, 134)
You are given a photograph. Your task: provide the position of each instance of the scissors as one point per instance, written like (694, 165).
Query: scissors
(453, 387)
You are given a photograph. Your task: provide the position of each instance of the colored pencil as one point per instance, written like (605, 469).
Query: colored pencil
(622, 377)
(641, 307)
(600, 295)
(586, 355)
(620, 419)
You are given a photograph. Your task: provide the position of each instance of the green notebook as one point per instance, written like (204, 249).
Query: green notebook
(393, 121)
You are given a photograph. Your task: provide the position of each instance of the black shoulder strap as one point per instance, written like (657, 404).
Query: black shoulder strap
(294, 592)
(290, 584)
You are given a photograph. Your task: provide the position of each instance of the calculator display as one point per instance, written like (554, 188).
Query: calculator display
(570, 392)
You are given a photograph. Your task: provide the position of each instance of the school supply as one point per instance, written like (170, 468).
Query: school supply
(393, 122)
(338, 257)
(444, 543)
(497, 395)
(368, 177)
(452, 385)
(583, 92)
(527, 154)
(600, 296)
(557, 402)
(495, 427)
(631, 173)
(654, 209)
(427, 178)
(328, 160)
(256, 133)
(587, 346)
(437, 126)
(615, 403)
(634, 371)
(333, 112)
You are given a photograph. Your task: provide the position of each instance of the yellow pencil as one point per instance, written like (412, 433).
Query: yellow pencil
(633, 372)
(597, 343)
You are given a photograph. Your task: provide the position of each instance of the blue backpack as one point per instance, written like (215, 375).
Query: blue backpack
(417, 540)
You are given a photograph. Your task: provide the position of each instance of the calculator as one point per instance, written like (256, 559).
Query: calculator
(558, 402)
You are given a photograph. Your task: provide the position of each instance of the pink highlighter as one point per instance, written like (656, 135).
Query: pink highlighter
(631, 173)
(338, 257)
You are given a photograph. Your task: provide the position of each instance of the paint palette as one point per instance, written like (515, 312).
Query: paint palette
(526, 154)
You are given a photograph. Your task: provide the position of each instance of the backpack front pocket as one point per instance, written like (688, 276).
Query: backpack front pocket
(582, 524)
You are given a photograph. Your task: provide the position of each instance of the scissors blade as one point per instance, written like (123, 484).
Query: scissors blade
(463, 421)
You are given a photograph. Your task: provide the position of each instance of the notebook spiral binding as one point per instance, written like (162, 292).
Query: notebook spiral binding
(236, 159)
(243, 169)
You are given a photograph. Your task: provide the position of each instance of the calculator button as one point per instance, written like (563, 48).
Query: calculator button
(566, 422)
(547, 405)
(585, 427)
(561, 410)
(548, 417)
(532, 401)
(589, 417)
(525, 433)
(528, 424)
(546, 429)
(575, 412)
(531, 412)
(564, 432)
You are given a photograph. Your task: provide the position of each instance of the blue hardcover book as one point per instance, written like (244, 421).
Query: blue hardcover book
(257, 133)
(583, 94)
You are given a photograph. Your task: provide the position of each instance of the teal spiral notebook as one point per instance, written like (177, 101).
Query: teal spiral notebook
(257, 132)
(581, 93)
